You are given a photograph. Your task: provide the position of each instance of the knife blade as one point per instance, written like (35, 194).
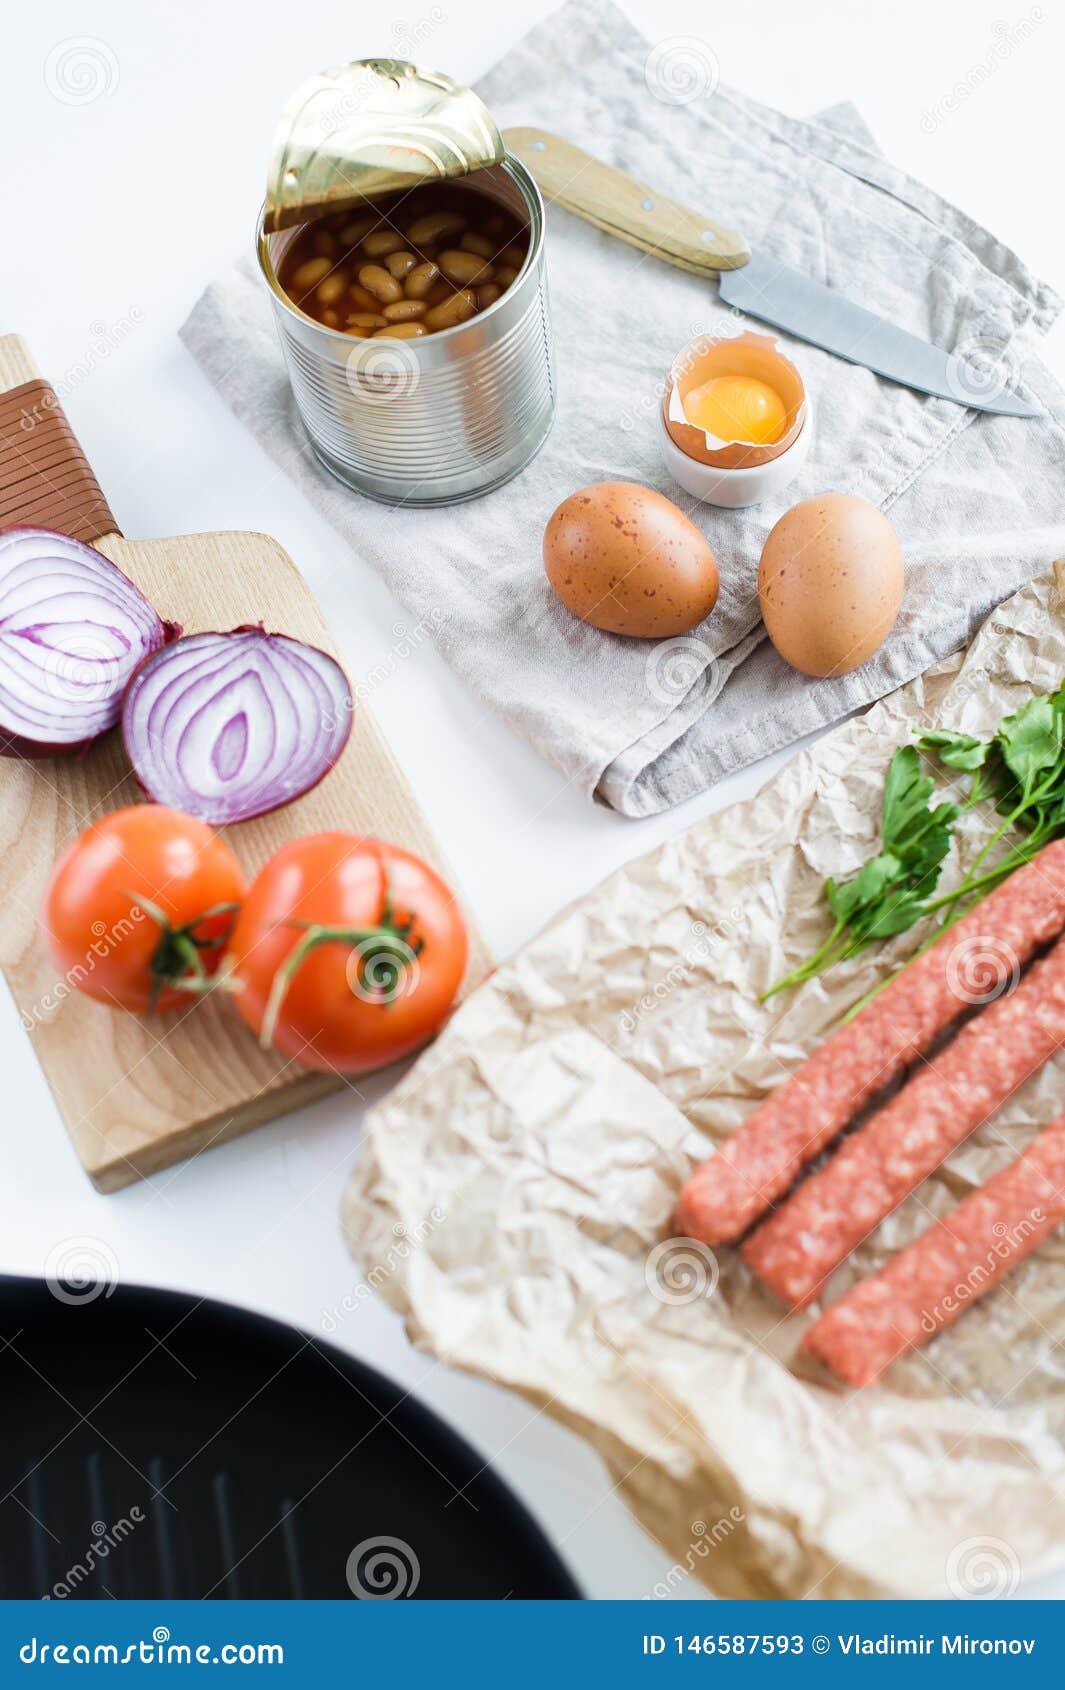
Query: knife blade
(777, 294)
(755, 283)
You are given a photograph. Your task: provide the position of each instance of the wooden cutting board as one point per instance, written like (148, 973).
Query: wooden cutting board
(138, 1094)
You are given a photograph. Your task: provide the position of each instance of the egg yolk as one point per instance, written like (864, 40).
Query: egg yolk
(737, 408)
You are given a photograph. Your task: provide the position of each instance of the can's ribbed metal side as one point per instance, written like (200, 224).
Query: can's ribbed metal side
(441, 417)
(379, 414)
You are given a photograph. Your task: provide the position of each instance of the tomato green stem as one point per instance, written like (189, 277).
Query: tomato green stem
(389, 941)
(177, 961)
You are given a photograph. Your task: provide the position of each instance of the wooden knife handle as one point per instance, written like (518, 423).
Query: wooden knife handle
(624, 207)
(45, 479)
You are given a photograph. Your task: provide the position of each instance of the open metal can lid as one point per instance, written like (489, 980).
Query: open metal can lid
(370, 128)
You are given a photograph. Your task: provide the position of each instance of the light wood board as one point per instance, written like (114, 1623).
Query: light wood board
(138, 1094)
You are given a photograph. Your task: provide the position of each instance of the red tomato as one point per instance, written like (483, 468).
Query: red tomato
(347, 953)
(133, 906)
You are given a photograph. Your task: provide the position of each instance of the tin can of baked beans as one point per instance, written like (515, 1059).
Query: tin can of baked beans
(443, 416)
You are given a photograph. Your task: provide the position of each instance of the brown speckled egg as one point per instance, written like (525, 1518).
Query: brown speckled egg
(624, 558)
(830, 583)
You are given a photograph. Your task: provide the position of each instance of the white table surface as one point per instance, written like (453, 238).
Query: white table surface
(120, 208)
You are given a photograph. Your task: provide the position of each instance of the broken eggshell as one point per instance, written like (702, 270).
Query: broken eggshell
(734, 473)
(747, 354)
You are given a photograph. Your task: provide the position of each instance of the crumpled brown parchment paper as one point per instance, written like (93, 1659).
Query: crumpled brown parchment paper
(531, 1160)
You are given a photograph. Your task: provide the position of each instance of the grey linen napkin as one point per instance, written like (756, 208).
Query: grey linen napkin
(977, 500)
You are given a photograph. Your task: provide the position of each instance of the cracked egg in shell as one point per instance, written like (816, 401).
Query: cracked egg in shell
(761, 390)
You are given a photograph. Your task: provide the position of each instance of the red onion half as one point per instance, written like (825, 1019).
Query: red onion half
(228, 726)
(72, 630)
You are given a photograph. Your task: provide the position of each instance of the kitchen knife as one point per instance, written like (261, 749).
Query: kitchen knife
(755, 283)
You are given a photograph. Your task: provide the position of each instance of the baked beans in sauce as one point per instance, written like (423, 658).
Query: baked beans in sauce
(408, 266)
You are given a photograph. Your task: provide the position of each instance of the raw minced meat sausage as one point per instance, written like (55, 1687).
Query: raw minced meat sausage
(726, 1194)
(933, 1281)
(799, 1246)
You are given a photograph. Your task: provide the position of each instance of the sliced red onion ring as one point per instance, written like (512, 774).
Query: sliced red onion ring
(72, 630)
(228, 726)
